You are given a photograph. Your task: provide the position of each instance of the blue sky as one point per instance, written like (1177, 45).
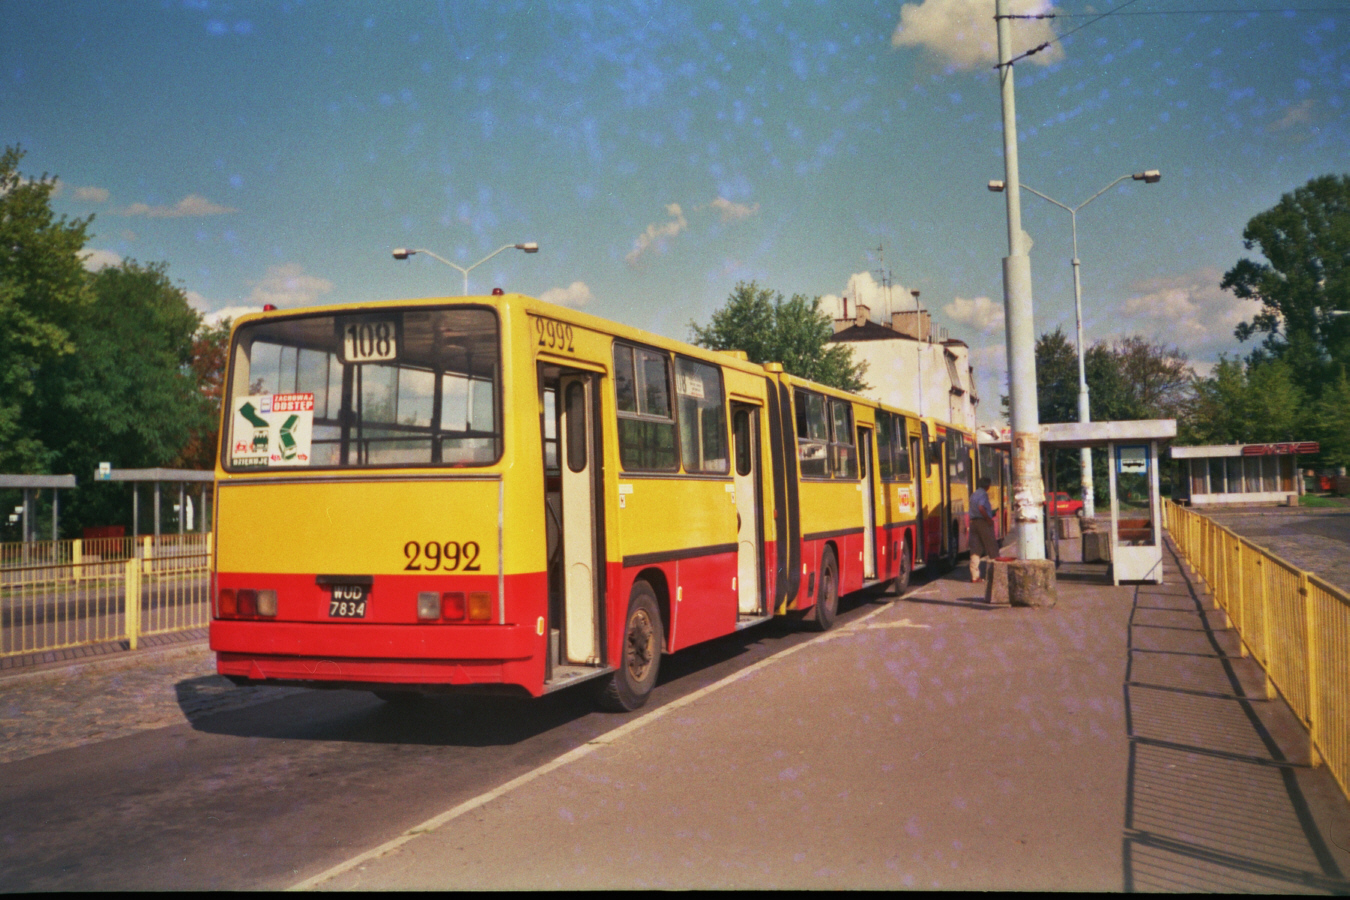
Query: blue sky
(661, 152)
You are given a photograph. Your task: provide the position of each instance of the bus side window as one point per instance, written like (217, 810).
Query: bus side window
(902, 471)
(703, 418)
(845, 454)
(813, 435)
(885, 446)
(646, 415)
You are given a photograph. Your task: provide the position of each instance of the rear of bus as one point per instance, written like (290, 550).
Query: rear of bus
(359, 503)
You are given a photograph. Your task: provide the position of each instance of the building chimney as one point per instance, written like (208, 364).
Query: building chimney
(863, 313)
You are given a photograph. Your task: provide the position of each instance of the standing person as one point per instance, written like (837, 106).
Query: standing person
(982, 540)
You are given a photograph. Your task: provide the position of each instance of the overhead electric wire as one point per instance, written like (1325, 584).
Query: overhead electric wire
(1097, 17)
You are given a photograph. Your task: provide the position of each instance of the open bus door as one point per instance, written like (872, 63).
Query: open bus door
(869, 504)
(747, 480)
(575, 579)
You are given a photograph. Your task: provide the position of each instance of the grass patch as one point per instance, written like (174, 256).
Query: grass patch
(1315, 501)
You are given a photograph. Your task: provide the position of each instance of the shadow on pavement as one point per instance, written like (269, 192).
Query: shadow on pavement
(1212, 800)
(214, 705)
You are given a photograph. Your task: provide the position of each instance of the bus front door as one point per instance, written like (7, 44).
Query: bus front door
(749, 521)
(579, 463)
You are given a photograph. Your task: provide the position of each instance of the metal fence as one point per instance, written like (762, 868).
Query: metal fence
(1294, 624)
(58, 594)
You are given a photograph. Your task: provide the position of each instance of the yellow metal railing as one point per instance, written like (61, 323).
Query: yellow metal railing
(68, 596)
(1294, 624)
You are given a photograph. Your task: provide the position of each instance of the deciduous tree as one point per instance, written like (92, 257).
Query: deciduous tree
(794, 332)
(1305, 239)
(42, 293)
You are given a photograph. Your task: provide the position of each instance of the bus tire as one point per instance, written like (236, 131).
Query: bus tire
(827, 594)
(630, 686)
(901, 582)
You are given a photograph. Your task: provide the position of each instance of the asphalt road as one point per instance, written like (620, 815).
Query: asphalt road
(157, 774)
(1315, 540)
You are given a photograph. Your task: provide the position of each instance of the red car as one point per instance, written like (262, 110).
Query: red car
(1061, 504)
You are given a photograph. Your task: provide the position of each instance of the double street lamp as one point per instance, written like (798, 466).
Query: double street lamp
(1151, 176)
(530, 247)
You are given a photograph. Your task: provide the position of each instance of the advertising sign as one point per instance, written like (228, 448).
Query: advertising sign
(1133, 460)
(272, 430)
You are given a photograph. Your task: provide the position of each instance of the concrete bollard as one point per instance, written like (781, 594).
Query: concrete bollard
(996, 581)
(1031, 582)
(1069, 527)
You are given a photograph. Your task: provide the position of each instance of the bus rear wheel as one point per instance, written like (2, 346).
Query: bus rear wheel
(900, 583)
(629, 687)
(827, 594)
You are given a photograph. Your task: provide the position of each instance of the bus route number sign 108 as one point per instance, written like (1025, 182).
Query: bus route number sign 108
(369, 340)
(348, 602)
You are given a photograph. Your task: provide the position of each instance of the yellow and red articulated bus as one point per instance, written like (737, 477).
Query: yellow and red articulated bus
(497, 493)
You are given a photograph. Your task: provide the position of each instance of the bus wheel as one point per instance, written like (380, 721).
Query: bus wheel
(827, 594)
(628, 688)
(901, 582)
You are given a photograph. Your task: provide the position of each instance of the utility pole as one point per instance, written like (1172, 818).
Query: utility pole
(1028, 492)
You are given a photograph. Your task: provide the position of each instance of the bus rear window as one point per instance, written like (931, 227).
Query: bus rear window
(410, 387)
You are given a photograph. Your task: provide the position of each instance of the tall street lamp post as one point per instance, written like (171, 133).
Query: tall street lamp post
(1151, 176)
(531, 247)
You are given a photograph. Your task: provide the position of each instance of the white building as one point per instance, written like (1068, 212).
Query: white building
(912, 365)
(1240, 473)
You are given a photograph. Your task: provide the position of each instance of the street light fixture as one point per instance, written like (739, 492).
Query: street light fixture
(1149, 176)
(528, 247)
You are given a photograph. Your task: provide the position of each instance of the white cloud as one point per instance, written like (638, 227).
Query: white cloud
(1299, 114)
(865, 289)
(100, 259)
(658, 233)
(288, 286)
(92, 194)
(961, 34)
(191, 205)
(575, 295)
(733, 212)
(982, 314)
(229, 312)
(1189, 311)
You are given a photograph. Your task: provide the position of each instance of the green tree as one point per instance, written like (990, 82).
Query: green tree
(209, 348)
(1332, 414)
(130, 395)
(1305, 239)
(42, 293)
(793, 332)
(1246, 402)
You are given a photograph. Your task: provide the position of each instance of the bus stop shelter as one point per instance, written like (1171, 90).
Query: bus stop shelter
(1132, 452)
(180, 477)
(30, 483)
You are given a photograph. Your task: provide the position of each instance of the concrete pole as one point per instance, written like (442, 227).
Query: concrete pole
(56, 515)
(1028, 491)
(156, 510)
(135, 511)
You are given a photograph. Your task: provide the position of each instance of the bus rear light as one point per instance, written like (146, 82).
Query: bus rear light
(229, 606)
(453, 607)
(480, 606)
(428, 606)
(248, 602)
(267, 603)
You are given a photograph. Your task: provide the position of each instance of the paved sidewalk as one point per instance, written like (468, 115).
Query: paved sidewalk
(86, 700)
(1112, 743)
